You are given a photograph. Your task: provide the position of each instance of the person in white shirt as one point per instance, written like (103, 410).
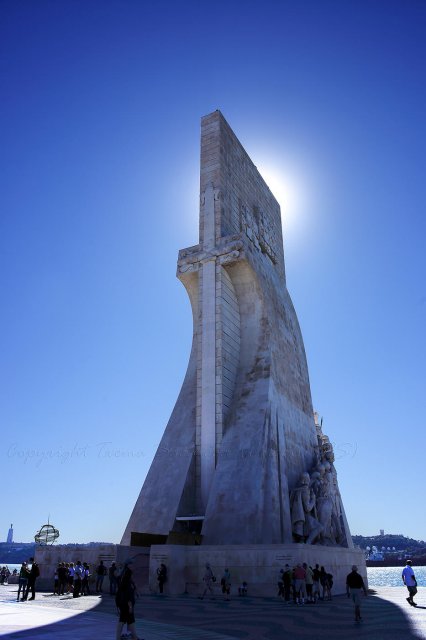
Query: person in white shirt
(409, 579)
(70, 577)
(78, 575)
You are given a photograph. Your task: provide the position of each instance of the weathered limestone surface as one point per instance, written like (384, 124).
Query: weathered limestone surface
(48, 558)
(242, 431)
(258, 565)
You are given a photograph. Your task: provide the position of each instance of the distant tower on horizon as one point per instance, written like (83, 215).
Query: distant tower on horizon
(10, 535)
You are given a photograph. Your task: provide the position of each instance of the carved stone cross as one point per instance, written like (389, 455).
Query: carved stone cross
(207, 259)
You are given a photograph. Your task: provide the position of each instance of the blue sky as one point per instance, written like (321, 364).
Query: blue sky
(99, 123)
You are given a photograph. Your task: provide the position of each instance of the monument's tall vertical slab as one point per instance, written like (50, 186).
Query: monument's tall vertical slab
(241, 455)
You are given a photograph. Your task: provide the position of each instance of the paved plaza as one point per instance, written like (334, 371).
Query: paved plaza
(386, 614)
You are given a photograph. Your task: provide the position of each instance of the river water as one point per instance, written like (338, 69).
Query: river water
(391, 576)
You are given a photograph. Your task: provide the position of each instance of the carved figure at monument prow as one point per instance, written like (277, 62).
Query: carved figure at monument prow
(317, 513)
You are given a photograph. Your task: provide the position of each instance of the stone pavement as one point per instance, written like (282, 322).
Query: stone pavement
(386, 615)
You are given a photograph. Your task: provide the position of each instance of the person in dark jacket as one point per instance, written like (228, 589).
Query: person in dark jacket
(161, 576)
(354, 586)
(287, 582)
(101, 572)
(125, 601)
(62, 578)
(113, 579)
(34, 574)
(24, 574)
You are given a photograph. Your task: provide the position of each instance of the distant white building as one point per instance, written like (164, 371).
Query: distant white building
(10, 535)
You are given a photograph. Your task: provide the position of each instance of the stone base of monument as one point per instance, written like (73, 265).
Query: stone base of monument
(258, 565)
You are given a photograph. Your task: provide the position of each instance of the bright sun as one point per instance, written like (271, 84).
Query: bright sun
(287, 190)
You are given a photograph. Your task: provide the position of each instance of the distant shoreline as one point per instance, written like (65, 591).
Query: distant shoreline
(416, 562)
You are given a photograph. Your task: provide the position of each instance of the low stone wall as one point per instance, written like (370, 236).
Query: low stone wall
(258, 565)
(48, 558)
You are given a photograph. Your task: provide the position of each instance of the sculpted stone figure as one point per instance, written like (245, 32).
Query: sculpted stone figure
(325, 503)
(316, 506)
(328, 503)
(305, 524)
(337, 513)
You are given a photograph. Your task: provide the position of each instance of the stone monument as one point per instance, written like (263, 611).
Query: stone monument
(243, 469)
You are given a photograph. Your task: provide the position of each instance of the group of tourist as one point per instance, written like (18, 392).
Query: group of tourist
(304, 584)
(5, 573)
(75, 578)
(298, 585)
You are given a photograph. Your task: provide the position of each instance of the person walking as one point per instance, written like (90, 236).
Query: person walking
(125, 601)
(409, 579)
(208, 580)
(354, 586)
